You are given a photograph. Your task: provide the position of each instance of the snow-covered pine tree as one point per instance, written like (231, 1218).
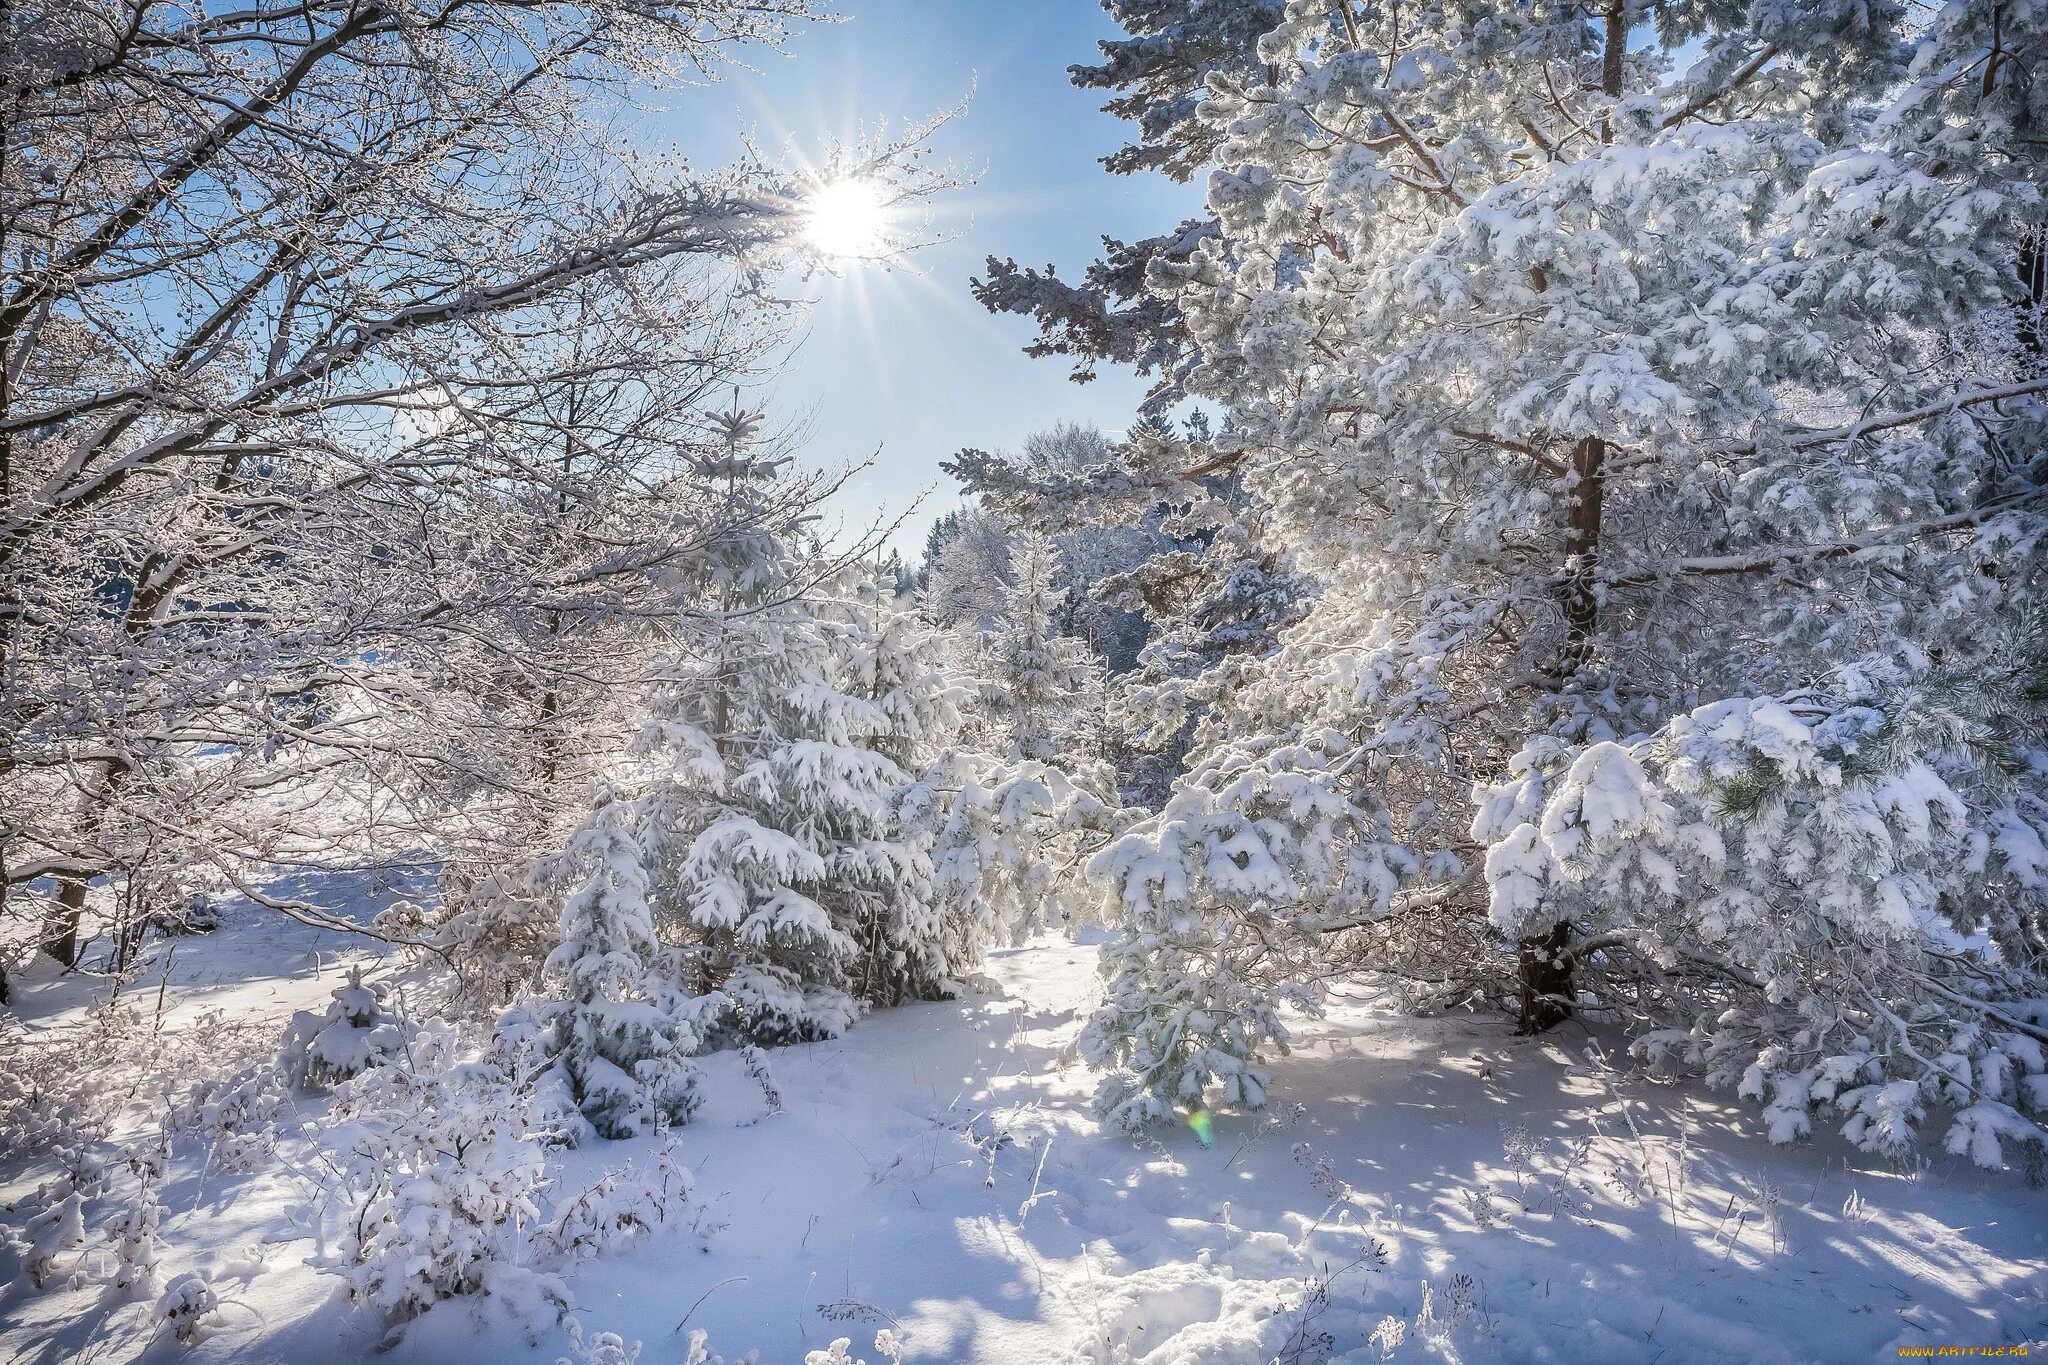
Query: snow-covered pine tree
(731, 852)
(914, 940)
(1805, 874)
(1602, 366)
(624, 1029)
(1211, 596)
(355, 1032)
(1043, 689)
(778, 752)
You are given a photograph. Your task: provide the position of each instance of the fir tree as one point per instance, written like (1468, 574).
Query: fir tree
(623, 1030)
(1041, 686)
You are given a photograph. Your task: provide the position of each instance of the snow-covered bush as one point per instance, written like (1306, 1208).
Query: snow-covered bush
(447, 1179)
(839, 1351)
(51, 1239)
(494, 932)
(763, 1075)
(697, 1352)
(135, 1234)
(235, 1116)
(622, 1206)
(444, 1163)
(1840, 892)
(34, 1117)
(598, 1348)
(186, 1307)
(194, 912)
(353, 1033)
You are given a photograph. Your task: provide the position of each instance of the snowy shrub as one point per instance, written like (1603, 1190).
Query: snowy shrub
(444, 1161)
(53, 1232)
(696, 1352)
(187, 1304)
(623, 1205)
(447, 1180)
(1807, 871)
(236, 1116)
(33, 1117)
(600, 1348)
(839, 1352)
(756, 1063)
(58, 1092)
(521, 1043)
(355, 1032)
(134, 1232)
(195, 912)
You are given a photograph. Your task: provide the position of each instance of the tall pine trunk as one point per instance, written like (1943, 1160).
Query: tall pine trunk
(1543, 962)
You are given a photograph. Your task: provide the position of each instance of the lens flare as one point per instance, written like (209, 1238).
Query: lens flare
(1204, 1128)
(847, 219)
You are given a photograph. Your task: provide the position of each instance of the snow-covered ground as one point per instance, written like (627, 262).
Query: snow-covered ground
(1417, 1190)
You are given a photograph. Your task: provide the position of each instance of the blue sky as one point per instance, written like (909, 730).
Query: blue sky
(905, 366)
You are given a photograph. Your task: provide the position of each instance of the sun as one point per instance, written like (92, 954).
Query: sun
(847, 219)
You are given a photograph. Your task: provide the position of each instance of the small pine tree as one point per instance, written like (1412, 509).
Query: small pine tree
(784, 858)
(1043, 689)
(912, 944)
(623, 1030)
(354, 1033)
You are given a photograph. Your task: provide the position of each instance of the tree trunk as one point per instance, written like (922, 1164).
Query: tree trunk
(60, 926)
(1541, 961)
(2032, 267)
(1546, 972)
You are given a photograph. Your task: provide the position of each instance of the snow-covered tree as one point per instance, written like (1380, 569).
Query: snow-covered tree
(1599, 366)
(355, 1032)
(969, 571)
(753, 755)
(776, 756)
(1042, 690)
(915, 940)
(297, 467)
(1210, 595)
(1803, 876)
(623, 1029)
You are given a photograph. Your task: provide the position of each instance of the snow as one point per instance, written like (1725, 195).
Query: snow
(936, 1173)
